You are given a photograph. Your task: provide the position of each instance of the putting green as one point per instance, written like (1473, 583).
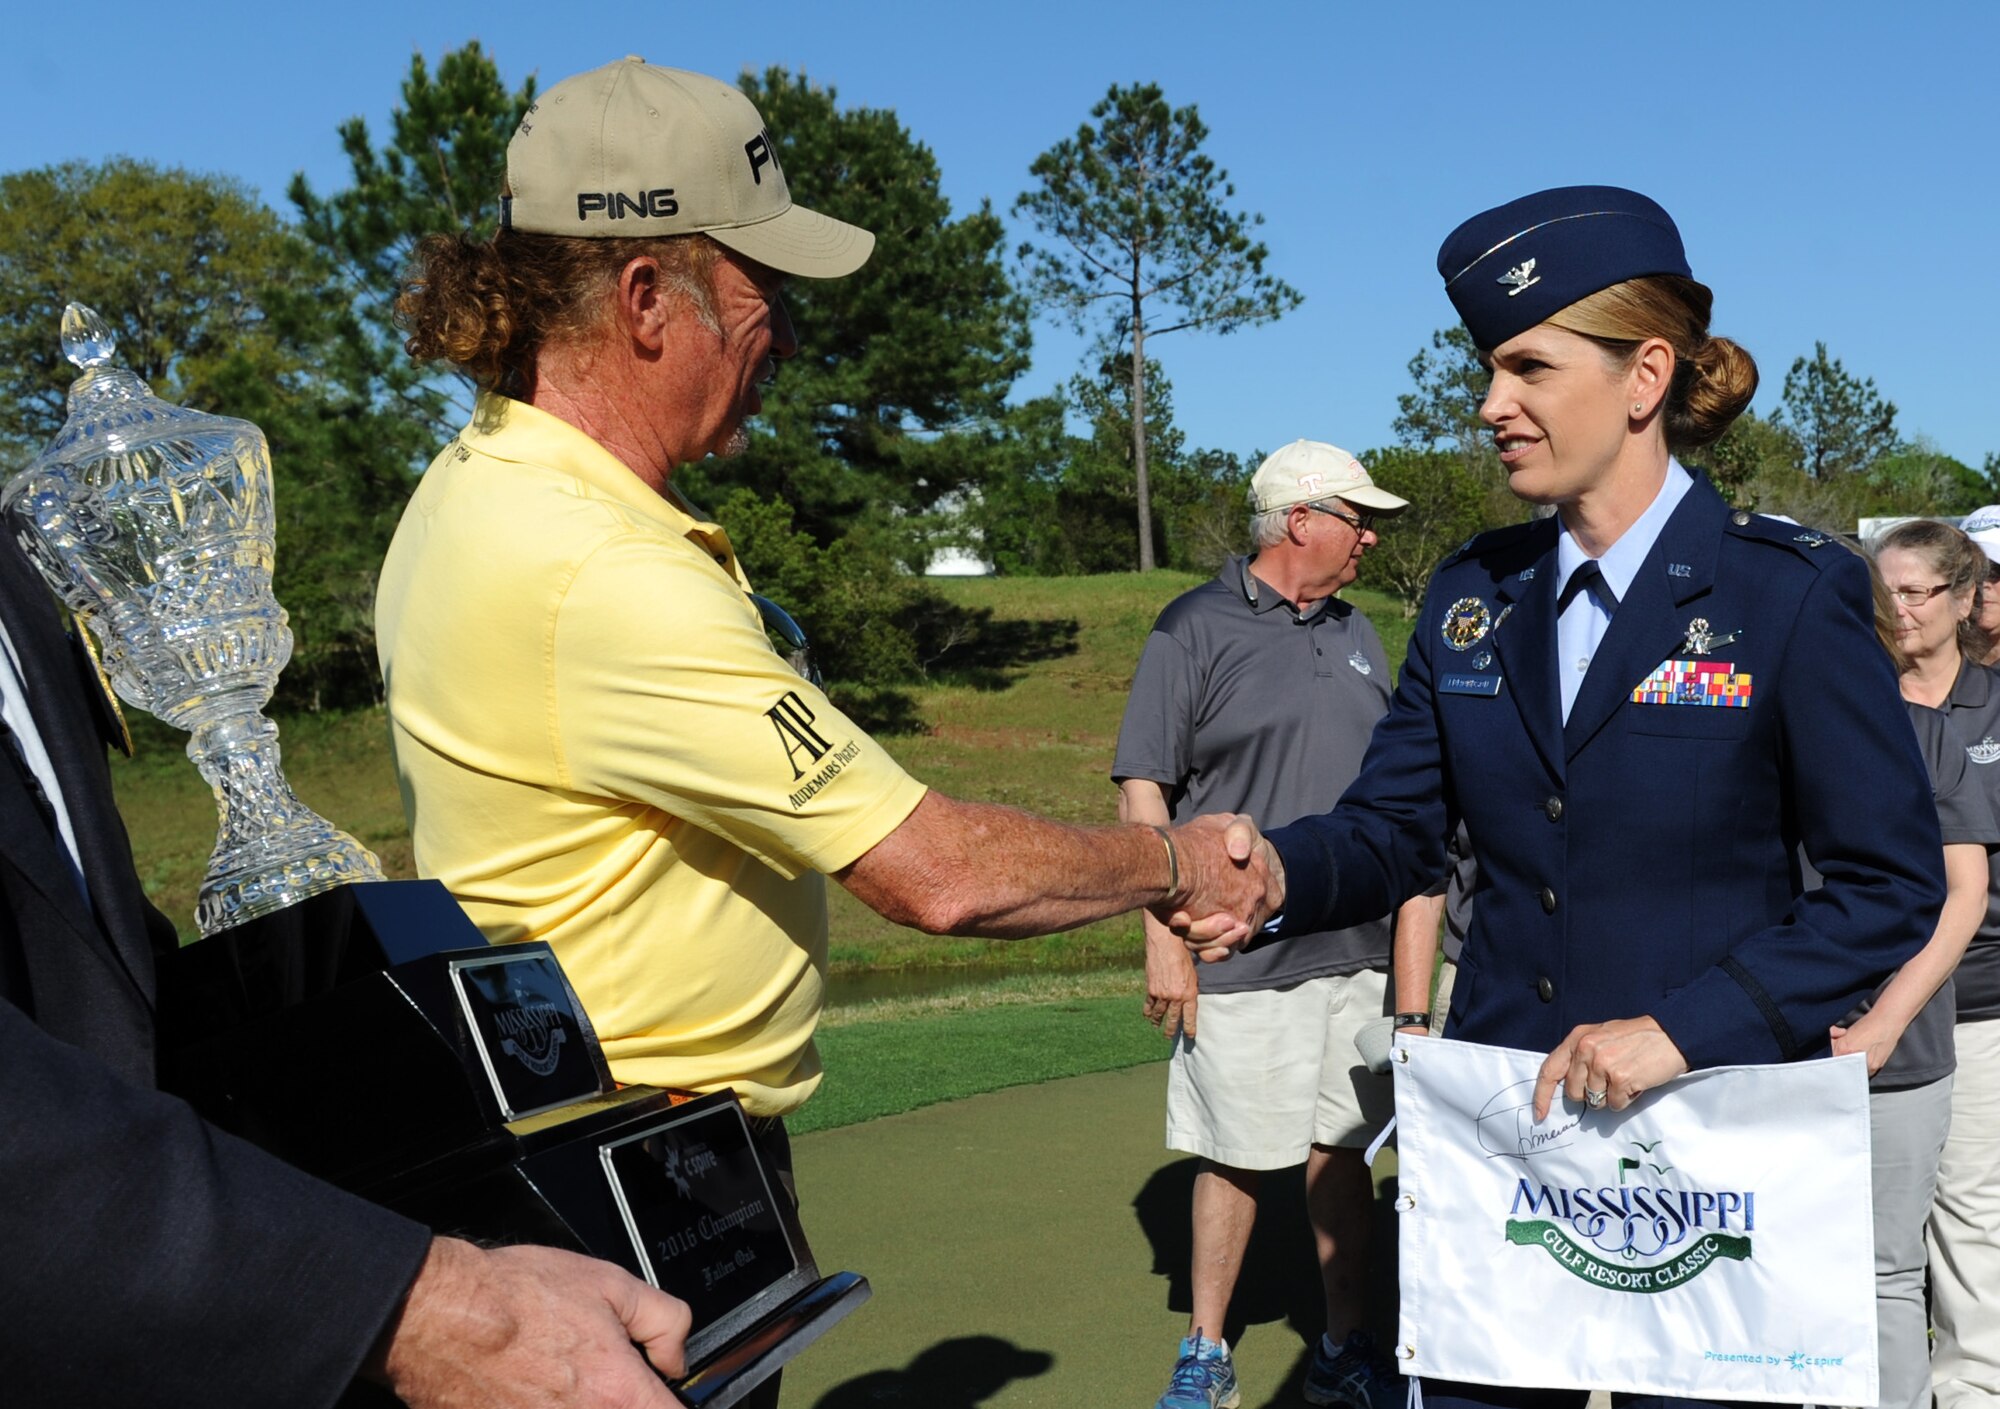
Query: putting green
(1030, 1247)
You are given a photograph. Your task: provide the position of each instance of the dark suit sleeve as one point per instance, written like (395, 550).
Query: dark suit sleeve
(1389, 827)
(1858, 789)
(151, 1258)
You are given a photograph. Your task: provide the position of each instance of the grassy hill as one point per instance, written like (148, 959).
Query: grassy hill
(1025, 713)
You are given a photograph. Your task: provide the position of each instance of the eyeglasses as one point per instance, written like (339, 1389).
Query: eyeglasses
(1364, 523)
(1917, 596)
(798, 650)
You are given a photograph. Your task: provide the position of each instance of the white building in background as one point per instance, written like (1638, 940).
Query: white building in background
(967, 558)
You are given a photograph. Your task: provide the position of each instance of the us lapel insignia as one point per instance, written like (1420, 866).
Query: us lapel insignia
(1812, 540)
(1466, 623)
(1482, 660)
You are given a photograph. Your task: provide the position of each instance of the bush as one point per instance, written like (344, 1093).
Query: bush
(868, 620)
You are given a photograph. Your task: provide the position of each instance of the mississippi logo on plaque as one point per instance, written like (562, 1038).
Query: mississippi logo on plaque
(521, 1009)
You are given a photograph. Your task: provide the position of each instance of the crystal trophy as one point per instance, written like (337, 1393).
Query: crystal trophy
(154, 524)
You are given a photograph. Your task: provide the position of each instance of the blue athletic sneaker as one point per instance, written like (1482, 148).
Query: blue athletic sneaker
(1359, 1377)
(1204, 1377)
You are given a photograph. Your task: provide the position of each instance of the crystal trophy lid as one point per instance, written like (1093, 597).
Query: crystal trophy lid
(113, 413)
(153, 522)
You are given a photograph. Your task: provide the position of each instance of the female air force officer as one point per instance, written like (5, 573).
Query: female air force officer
(1642, 707)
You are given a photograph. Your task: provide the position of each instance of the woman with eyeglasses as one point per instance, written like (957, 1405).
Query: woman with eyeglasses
(1933, 571)
(1643, 707)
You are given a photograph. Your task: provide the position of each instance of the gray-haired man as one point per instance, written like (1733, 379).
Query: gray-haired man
(1259, 690)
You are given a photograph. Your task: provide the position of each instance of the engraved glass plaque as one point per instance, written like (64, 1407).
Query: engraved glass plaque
(528, 1030)
(154, 524)
(706, 1221)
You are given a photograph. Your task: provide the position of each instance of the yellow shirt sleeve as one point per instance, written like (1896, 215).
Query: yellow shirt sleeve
(667, 691)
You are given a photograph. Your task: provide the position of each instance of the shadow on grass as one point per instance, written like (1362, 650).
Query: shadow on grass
(881, 710)
(960, 1373)
(963, 646)
(973, 650)
(1280, 1278)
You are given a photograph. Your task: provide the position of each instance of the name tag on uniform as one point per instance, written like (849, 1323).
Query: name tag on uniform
(1459, 683)
(1696, 682)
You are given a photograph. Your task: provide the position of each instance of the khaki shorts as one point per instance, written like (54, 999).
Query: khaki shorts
(1273, 1072)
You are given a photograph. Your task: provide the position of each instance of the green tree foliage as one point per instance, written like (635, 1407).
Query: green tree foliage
(182, 274)
(1447, 497)
(1843, 424)
(1761, 464)
(221, 307)
(1753, 455)
(382, 415)
(1919, 478)
(1054, 503)
(903, 367)
(1135, 217)
(440, 173)
(1440, 413)
(872, 626)
(1441, 409)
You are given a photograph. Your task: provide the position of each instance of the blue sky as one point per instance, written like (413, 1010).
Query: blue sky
(1832, 166)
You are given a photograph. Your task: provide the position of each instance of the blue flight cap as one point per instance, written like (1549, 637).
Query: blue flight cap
(1511, 267)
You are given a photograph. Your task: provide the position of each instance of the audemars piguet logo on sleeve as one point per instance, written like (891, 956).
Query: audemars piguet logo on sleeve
(805, 747)
(793, 718)
(1611, 1235)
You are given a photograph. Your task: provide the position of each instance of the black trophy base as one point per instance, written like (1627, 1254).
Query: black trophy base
(671, 1189)
(370, 1036)
(761, 1352)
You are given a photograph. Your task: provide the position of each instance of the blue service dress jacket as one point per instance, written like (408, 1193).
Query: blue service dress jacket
(1640, 860)
(148, 1257)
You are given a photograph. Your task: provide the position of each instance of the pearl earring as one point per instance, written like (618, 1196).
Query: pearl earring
(1638, 408)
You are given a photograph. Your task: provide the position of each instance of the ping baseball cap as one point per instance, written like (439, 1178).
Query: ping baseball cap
(1308, 471)
(633, 150)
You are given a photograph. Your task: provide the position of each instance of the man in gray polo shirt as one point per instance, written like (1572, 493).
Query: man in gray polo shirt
(1257, 692)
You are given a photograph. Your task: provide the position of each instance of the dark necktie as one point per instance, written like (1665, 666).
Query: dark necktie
(10, 744)
(1588, 578)
(31, 783)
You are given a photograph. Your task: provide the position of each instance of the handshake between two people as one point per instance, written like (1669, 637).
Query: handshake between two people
(1231, 882)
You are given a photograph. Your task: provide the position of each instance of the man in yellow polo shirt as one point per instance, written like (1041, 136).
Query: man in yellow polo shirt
(597, 744)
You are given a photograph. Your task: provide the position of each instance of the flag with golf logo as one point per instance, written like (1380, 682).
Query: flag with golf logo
(1715, 1240)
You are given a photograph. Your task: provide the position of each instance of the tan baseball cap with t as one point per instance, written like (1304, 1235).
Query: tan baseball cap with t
(1311, 471)
(632, 150)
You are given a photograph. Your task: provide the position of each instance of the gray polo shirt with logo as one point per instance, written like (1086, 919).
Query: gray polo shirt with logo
(1926, 1052)
(1246, 706)
(1973, 711)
